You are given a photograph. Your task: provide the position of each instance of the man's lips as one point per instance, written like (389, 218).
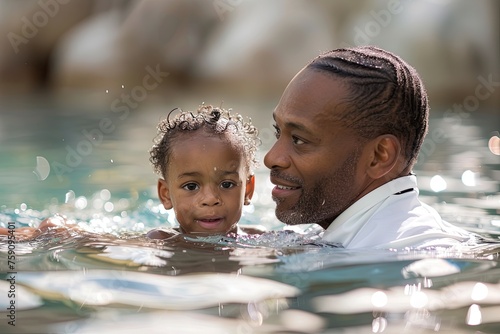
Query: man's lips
(283, 189)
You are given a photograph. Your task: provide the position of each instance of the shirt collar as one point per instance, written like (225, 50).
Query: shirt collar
(340, 232)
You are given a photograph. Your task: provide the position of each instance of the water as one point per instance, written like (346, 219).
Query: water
(109, 278)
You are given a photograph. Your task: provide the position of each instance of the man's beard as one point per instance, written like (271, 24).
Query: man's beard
(325, 199)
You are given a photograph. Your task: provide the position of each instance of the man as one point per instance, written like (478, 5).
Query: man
(349, 127)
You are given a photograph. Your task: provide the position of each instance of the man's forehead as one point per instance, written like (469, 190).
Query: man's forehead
(308, 119)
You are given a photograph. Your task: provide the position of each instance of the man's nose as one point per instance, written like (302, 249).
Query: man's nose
(277, 156)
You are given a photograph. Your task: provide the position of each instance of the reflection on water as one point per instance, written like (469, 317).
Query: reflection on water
(108, 277)
(88, 282)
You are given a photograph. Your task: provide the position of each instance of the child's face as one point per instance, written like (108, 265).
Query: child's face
(206, 183)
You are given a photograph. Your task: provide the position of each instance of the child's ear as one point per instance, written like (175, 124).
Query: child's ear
(164, 194)
(250, 187)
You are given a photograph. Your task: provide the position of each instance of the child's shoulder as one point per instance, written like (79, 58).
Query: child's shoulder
(162, 233)
(253, 229)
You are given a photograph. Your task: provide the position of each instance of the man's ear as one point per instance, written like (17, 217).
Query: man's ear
(164, 194)
(385, 153)
(249, 189)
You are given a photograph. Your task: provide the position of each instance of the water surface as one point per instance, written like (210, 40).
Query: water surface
(108, 277)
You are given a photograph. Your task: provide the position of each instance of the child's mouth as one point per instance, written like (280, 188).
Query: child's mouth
(210, 223)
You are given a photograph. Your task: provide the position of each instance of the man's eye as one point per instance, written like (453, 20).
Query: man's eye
(227, 184)
(297, 140)
(190, 186)
(276, 131)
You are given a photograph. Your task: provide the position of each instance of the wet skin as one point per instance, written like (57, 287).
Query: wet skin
(319, 166)
(207, 183)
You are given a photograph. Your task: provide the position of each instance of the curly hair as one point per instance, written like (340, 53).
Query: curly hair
(215, 120)
(387, 95)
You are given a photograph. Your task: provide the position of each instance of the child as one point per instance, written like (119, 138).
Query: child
(206, 160)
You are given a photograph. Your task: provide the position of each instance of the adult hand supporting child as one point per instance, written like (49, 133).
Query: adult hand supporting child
(56, 223)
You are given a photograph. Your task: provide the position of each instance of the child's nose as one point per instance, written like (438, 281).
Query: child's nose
(210, 198)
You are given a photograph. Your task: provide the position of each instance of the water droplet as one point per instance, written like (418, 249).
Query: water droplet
(108, 206)
(81, 203)
(70, 196)
(105, 194)
(42, 168)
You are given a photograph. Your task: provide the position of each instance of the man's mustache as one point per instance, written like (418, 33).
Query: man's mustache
(285, 177)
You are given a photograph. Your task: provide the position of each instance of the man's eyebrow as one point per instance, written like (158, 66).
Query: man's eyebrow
(294, 125)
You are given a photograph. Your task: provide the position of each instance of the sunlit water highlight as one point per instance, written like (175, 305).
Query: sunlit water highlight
(109, 276)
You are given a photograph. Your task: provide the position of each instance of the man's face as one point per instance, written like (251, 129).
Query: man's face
(315, 162)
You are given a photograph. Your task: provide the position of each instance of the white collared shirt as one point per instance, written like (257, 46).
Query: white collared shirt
(392, 216)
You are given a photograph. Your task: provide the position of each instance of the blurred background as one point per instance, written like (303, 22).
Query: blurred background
(84, 83)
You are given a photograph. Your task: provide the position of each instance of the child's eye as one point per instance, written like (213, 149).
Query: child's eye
(227, 184)
(276, 131)
(190, 186)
